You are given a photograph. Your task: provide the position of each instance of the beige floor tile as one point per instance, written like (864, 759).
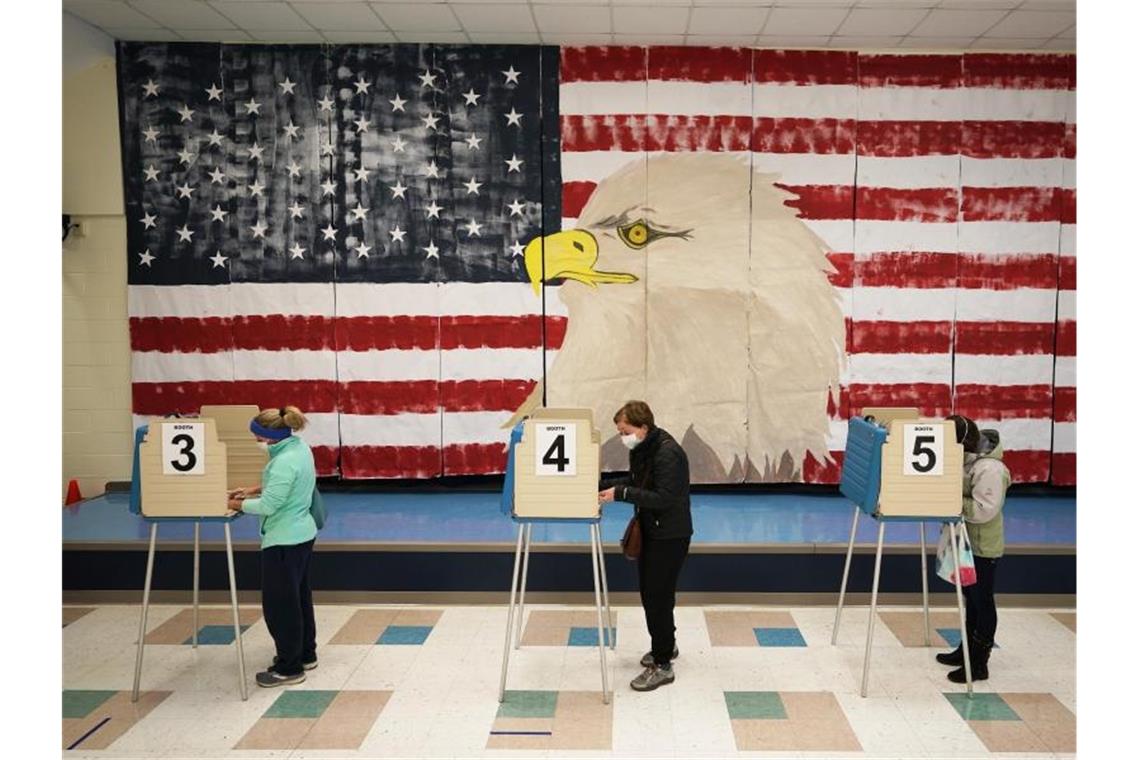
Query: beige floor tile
(1067, 619)
(1007, 736)
(276, 733)
(71, 614)
(417, 617)
(364, 627)
(1047, 718)
(181, 627)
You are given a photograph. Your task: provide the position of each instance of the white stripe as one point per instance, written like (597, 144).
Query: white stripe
(1066, 372)
(391, 430)
(839, 234)
(475, 427)
(391, 365)
(1065, 437)
(910, 104)
(437, 299)
(873, 236)
(1069, 173)
(1021, 434)
(323, 428)
(602, 98)
(1011, 172)
(1068, 246)
(569, 222)
(1066, 304)
(1009, 237)
(1026, 369)
(1020, 305)
(836, 435)
(820, 101)
(161, 367)
(180, 301)
(807, 168)
(908, 172)
(596, 165)
(290, 365)
(903, 304)
(456, 364)
(1004, 104)
(899, 368)
(696, 98)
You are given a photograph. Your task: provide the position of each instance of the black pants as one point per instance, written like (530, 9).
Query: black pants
(287, 603)
(657, 570)
(981, 611)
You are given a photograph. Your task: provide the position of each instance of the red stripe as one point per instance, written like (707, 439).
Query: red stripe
(624, 132)
(804, 67)
(484, 395)
(906, 270)
(900, 337)
(393, 397)
(474, 458)
(1010, 204)
(156, 399)
(1067, 273)
(1070, 141)
(327, 460)
(1066, 337)
(1004, 338)
(1064, 404)
(928, 204)
(1067, 200)
(1018, 71)
(1012, 139)
(815, 471)
(391, 461)
(574, 197)
(803, 135)
(378, 333)
(897, 139)
(821, 201)
(987, 272)
(1028, 466)
(1064, 469)
(844, 275)
(274, 332)
(700, 64)
(940, 71)
(931, 399)
(602, 64)
(1000, 402)
(501, 332)
(207, 335)
(697, 133)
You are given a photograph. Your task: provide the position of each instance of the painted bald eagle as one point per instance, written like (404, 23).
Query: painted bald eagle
(691, 285)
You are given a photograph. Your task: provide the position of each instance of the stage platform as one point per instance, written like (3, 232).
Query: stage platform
(384, 544)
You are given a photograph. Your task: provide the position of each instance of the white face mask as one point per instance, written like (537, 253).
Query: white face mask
(630, 441)
(263, 445)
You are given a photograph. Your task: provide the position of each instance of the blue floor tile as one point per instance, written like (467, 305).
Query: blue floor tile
(215, 635)
(779, 637)
(405, 635)
(953, 636)
(588, 637)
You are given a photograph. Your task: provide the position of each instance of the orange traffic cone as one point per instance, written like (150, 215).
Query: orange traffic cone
(73, 494)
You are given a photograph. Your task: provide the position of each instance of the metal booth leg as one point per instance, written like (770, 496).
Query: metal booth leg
(605, 588)
(874, 603)
(510, 613)
(595, 550)
(237, 622)
(956, 544)
(925, 589)
(846, 572)
(522, 588)
(194, 640)
(142, 619)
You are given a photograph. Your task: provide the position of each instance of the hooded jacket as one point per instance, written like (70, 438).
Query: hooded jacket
(287, 484)
(984, 483)
(658, 486)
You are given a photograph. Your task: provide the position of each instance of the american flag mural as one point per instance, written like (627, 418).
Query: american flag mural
(343, 228)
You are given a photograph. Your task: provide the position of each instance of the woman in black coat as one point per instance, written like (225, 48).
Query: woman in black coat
(658, 488)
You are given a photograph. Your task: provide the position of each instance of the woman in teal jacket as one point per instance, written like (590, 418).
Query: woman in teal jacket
(288, 531)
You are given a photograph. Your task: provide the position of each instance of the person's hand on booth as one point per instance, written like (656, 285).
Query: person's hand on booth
(606, 496)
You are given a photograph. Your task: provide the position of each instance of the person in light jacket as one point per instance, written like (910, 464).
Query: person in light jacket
(984, 482)
(288, 531)
(658, 488)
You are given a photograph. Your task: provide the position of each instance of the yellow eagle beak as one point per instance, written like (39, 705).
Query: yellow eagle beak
(570, 255)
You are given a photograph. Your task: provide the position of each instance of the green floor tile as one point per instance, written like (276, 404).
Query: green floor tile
(301, 704)
(79, 703)
(528, 704)
(981, 707)
(752, 705)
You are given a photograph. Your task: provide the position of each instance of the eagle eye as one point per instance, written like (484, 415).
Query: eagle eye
(636, 234)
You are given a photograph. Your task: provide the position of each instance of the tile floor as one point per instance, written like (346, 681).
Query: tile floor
(408, 681)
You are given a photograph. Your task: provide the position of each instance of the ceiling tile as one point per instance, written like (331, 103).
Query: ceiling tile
(443, 38)
(1060, 43)
(570, 2)
(897, 4)
(720, 40)
(937, 43)
(214, 35)
(1033, 24)
(360, 36)
(577, 39)
(340, 16)
(179, 14)
(650, 20)
(980, 5)
(881, 21)
(788, 41)
(104, 14)
(1049, 5)
(496, 38)
(740, 20)
(146, 35)
(286, 35)
(649, 39)
(864, 43)
(494, 18)
(418, 17)
(1006, 43)
(809, 22)
(553, 19)
(941, 23)
(266, 16)
(657, 2)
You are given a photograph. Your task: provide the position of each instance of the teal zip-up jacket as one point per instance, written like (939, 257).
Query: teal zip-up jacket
(287, 484)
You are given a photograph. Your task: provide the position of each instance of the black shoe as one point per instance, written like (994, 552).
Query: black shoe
(270, 678)
(951, 658)
(979, 662)
(647, 658)
(306, 664)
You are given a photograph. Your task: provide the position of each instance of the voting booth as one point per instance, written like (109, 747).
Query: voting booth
(553, 470)
(182, 469)
(898, 466)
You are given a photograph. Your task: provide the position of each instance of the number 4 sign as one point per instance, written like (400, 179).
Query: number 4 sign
(555, 448)
(183, 448)
(922, 449)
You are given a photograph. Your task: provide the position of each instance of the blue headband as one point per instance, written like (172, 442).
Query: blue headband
(273, 434)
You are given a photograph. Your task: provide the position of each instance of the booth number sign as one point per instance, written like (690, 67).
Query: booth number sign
(183, 448)
(922, 449)
(555, 450)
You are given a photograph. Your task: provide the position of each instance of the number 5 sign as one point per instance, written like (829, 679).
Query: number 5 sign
(555, 448)
(183, 448)
(923, 449)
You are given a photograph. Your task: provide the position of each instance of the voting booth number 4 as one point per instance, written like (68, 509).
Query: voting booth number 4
(555, 450)
(923, 449)
(183, 448)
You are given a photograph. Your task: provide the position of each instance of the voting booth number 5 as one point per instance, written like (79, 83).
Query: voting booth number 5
(183, 448)
(923, 449)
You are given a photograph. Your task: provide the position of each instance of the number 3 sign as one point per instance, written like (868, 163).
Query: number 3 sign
(555, 449)
(922, 449)
(183, 448)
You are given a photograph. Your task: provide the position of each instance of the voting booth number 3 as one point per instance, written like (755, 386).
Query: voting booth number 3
(555, 450)
(183, 448)
(922, 449)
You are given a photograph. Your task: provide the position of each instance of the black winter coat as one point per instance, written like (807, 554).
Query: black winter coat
(658, 486)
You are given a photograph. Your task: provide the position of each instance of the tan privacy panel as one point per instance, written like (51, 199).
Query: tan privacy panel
(244, 460)
(182, 468)
(922, 470)
(556, 465)
(884, 415)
